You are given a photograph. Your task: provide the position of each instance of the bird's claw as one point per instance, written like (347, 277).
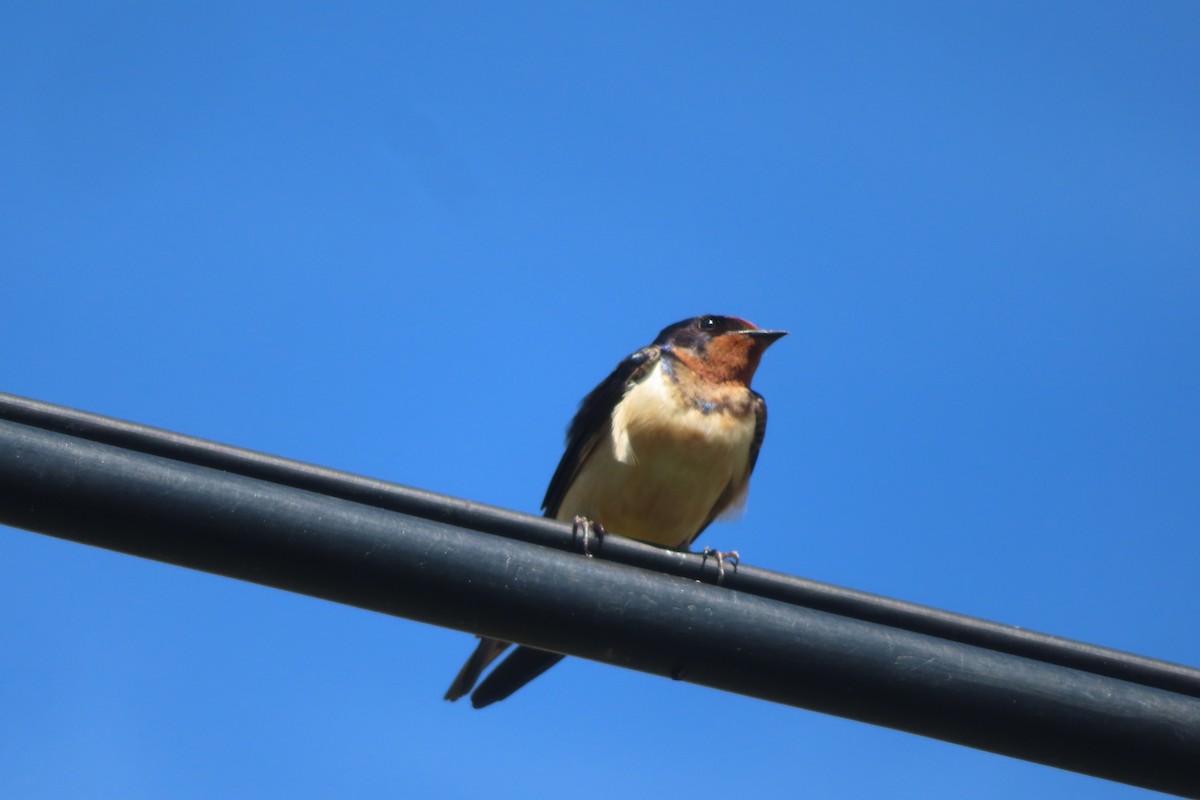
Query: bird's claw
(721, 557)
(585, 529)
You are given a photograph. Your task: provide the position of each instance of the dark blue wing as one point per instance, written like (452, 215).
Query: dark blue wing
(592, 420)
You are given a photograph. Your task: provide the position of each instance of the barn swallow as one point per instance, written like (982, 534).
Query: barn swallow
(657, 451)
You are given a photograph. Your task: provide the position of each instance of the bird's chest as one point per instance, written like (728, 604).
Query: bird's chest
(659, 428)
(666, 461)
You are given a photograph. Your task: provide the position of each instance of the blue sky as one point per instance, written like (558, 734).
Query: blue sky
(403, 239)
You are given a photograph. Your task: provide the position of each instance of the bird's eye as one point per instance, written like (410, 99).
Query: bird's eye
(708, 324)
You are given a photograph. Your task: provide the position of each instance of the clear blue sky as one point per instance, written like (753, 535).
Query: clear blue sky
(403, 239)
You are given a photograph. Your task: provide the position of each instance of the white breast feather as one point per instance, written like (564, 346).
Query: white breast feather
(652, 401)
(660, 471)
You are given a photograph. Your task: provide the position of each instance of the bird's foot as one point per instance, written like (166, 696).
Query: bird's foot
(730, 556)
(586, 530)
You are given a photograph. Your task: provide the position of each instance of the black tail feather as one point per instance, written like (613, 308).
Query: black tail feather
(511, 674)
(484, 654)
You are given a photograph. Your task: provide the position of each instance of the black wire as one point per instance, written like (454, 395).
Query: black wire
(167, 506)
(414, 567)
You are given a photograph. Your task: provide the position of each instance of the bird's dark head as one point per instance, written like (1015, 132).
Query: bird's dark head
(719, 349)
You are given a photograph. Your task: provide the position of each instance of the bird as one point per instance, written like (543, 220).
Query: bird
(657, 450)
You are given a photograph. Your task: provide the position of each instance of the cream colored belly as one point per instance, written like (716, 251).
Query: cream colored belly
(659, 472)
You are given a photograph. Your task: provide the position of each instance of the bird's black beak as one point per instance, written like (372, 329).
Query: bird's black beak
(766, 338)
